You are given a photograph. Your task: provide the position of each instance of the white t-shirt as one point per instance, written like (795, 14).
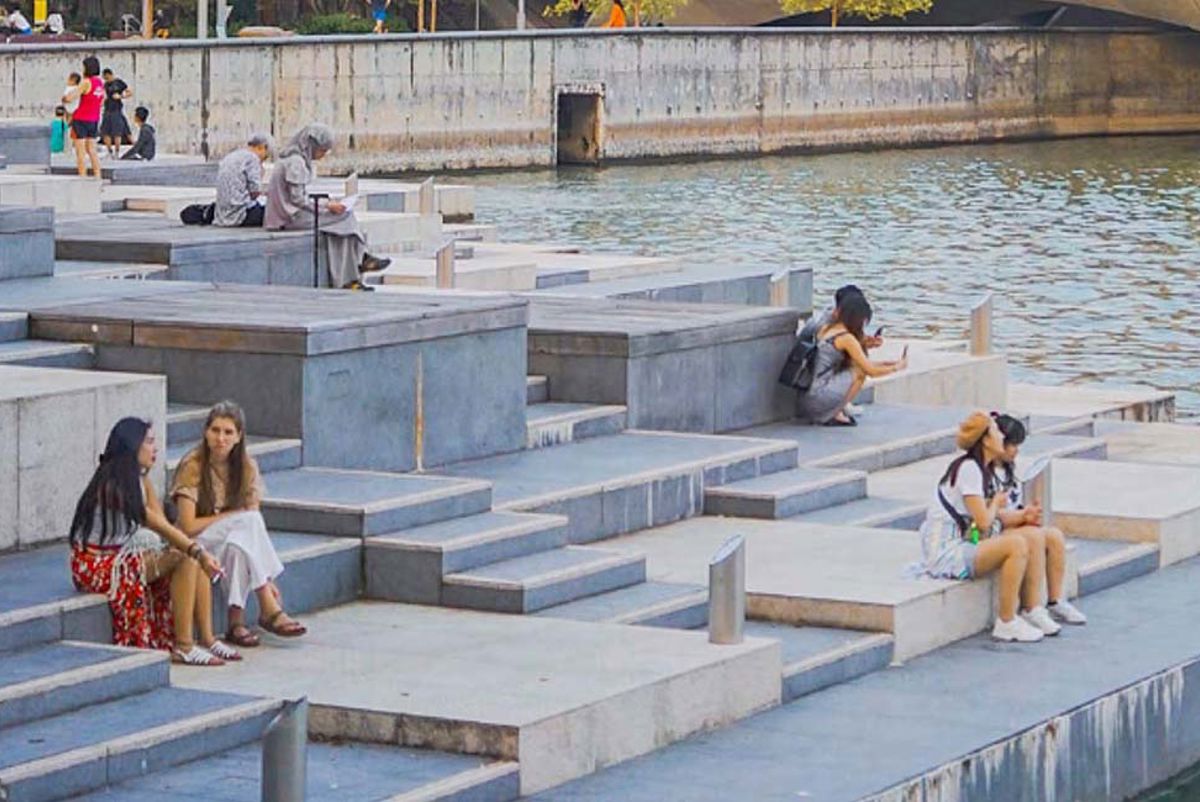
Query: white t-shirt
(968, 483)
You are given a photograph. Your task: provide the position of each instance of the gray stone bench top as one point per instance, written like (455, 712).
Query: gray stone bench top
(612, 327)
(276, 320)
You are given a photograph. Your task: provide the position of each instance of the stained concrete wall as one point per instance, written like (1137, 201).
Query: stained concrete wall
(467, 100)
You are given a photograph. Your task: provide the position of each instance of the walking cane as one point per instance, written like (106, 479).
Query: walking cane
(317, 197)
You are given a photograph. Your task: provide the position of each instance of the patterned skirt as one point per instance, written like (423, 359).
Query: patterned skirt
(141, 611)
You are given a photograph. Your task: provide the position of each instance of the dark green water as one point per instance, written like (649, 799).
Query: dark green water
(1184, 788)
(1092, 246)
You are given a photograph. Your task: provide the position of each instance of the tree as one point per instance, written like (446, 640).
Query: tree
(640, 10)
(871, 9)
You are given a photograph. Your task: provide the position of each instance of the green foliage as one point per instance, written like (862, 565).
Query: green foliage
(871, 9)
(325, 24)
(648, 11)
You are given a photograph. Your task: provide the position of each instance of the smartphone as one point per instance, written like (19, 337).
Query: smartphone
(905, 354)
(879, 331)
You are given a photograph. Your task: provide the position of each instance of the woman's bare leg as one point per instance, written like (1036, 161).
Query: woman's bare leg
(204, 607)
(80, 146)
(856, 386)
(1056, 563)
(183, 602)
(94, 156)
(1035, 571)
(1009, 554)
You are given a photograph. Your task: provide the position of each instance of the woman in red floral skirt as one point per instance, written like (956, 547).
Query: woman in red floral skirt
(123, 546)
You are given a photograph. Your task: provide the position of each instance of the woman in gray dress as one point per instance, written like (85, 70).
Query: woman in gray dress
(288, 207)
(842, 365)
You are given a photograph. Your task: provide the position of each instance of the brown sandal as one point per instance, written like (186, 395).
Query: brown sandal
(241, 635)
(290, 629)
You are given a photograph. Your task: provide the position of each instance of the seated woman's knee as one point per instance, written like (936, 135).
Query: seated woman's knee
(1054, 537)
(1034, 537)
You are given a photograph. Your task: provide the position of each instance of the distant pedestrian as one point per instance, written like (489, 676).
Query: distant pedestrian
(579, 14)
(616, 17)
(114, 128)
(239, 185)
(16, 21)
(85, 122)
(379, 12)
(144, 148)
(58, 130)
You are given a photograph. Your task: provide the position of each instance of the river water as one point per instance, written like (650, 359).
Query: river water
(1091, 245)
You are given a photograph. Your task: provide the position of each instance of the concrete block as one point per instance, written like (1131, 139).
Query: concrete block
(26, 242)
(25, 141)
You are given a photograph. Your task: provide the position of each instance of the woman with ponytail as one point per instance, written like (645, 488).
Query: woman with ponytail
(123, 546)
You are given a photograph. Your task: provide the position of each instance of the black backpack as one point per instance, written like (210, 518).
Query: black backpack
(198, 214)
(801, 365)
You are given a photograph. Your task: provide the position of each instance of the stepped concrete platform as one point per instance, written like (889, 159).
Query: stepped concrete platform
(345, 772)
(877, 512)
(185, 423)
(681, 367)
(622, 483)
(168, 201)
(414, 676)
(71, 268)
(53, 426)
(484, 270)
(955, 725)
(454, 202)
(887, 435)
(271, 453)
(1150, 443)
(557, 266)
(785, 494)
(26, 242)
(471, 232)
(537, 390)
(700, 284)
(365, 380)
(25, 141)
(555, 423)
(190, 253)
(46, 354)
(1104, 563)
(397, 232)
(409, 565)
(1143, 404)
(650, 604)
(107, 742)
(167, 169)
(939, 377)
(1157, 504)
(358, 503)
(815, 658)
(13, 326)
(822, 575)
(30, 294)
(63, 194)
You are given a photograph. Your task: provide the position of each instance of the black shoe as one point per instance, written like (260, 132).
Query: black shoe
(358, 286)
(373, 264)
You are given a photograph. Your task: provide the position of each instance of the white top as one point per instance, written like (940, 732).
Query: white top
(73, 104)
(968, 483)
(17, 20)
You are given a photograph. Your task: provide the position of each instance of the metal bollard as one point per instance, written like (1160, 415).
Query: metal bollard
(1037, 487)
(727, 592)
(780, 288)
(445, 266)
(284, 754)
(427, 197)
(981, 327)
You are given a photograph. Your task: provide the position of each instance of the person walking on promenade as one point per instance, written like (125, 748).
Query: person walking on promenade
(616, 17)
(85, 122)
(963, 535)
(1047, 545)
(114, 128)
(579, 14)
(288, 208)
(239, 185)
(122, 545)
(379, 13)
(218, 490)
(841, 364)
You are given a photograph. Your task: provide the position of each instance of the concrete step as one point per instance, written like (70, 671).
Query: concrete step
(408, 566)
(345, 772)
(552, 424)
(537, 390)
(785, 494)
(873, 511)
(1104, 564)
(815, 658)
(78, 268)
(1063, 424)
(534, 582)
(651, 604)
(272, 454)
(625, 482)
(47, 354)
(52, 678)
(109, 742)
(356, 503)
(13, 326)
(185, 423)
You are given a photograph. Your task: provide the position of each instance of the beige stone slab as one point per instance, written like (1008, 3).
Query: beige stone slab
(1132, 502)
(563, 697)
(1153, 443)
(940, 377)
(598, 266)
(488, 272)
(1128, 403)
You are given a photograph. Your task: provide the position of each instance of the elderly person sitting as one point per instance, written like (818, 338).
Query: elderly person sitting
(239, 185)
(288, 207)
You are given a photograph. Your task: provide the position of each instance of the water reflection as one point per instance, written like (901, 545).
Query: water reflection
(1090, 245)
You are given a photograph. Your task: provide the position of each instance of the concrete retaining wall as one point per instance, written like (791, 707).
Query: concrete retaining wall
(489, 100)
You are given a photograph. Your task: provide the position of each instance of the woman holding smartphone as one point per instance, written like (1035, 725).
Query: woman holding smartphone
(842, 364)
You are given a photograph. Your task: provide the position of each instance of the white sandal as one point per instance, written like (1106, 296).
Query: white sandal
(224, 651)
(196, 656)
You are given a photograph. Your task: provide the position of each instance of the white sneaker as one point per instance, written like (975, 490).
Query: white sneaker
(1041, 619)
(1016, 630)
(853, 409)
(1067, 613)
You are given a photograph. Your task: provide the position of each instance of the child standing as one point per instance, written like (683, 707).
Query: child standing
(58, 130)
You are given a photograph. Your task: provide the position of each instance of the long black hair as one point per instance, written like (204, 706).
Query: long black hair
(91, 67)
(115, 490)
(854, 313)
(1014, 434)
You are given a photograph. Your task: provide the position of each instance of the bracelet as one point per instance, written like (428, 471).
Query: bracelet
(195, 550)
